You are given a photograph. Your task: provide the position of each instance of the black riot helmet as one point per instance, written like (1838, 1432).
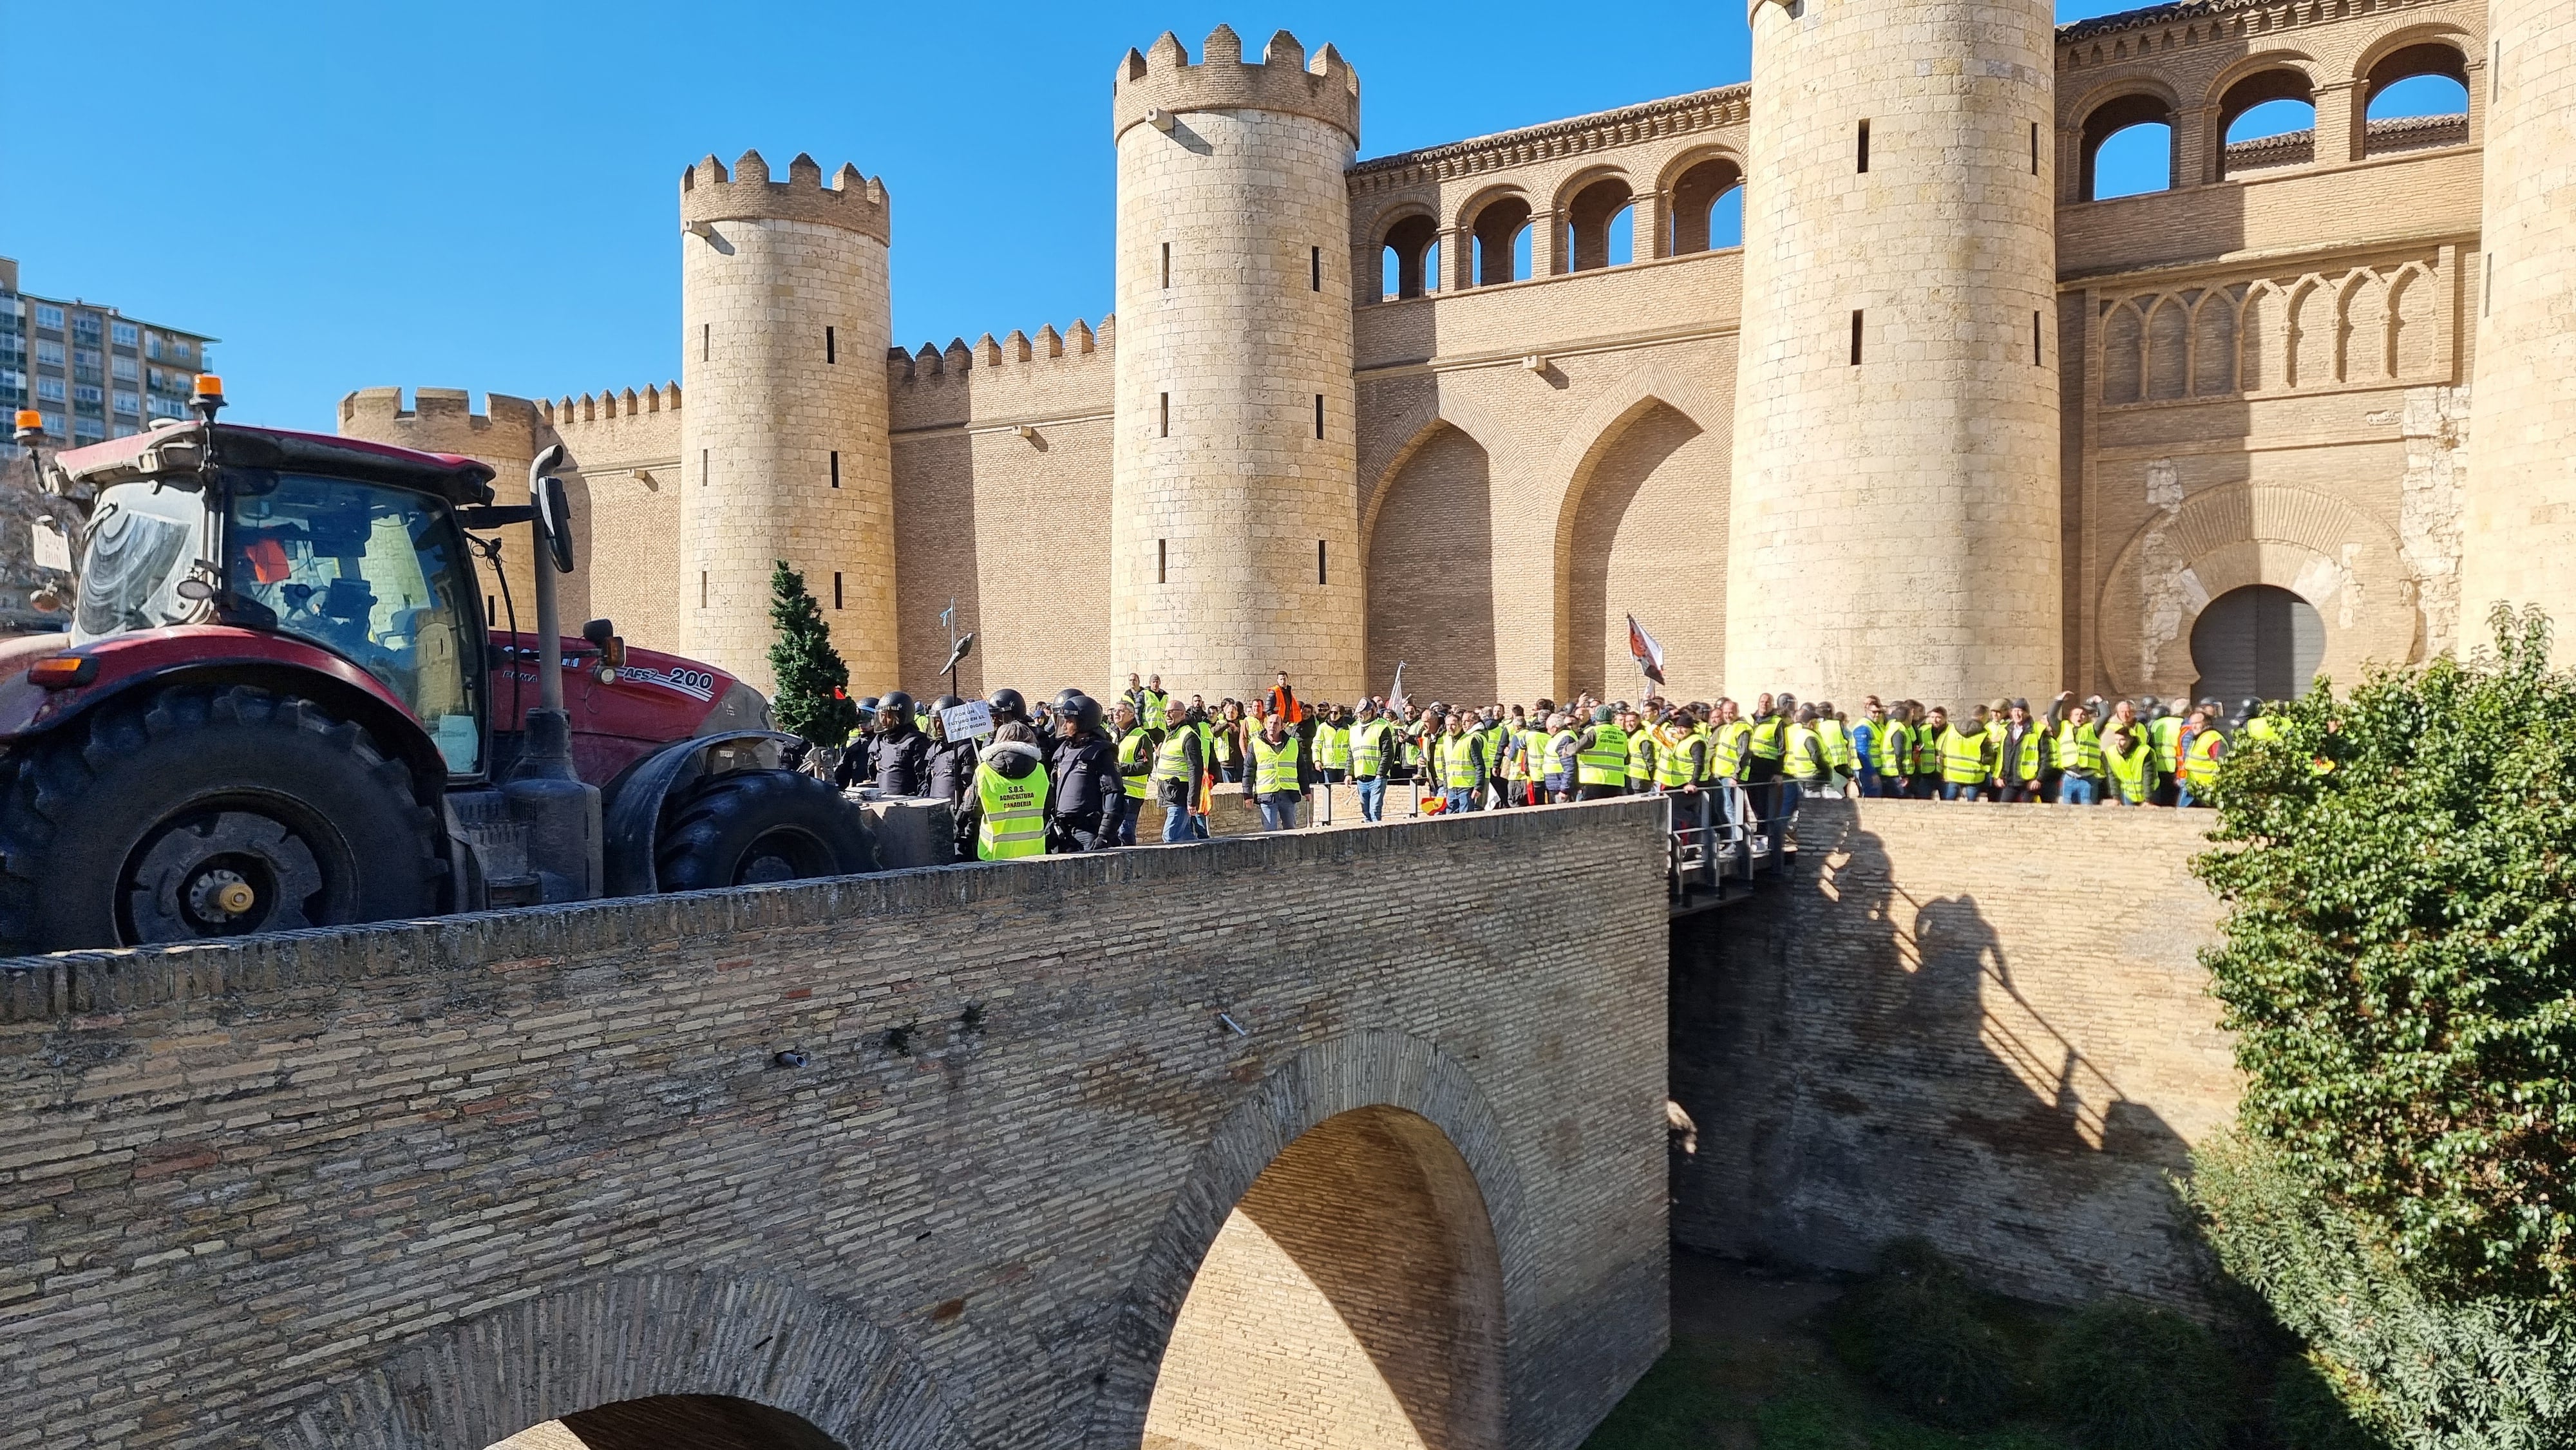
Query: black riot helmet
(944, 704)
(894, 710)
(1084, 710)
(1064, 700)
(1007, 705)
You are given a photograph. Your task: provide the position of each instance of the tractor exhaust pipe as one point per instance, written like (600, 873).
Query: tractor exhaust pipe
(561, 809)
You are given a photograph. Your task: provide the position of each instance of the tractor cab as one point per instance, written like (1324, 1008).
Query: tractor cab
(362, 560)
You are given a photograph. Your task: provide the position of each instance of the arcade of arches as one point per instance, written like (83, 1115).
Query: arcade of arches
(674, 1422)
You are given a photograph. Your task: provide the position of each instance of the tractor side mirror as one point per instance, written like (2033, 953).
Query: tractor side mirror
(554, 522)
(602, 635)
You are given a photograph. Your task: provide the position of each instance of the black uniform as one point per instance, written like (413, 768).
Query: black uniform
(1085, 767)
(903, 762)
(951, 772)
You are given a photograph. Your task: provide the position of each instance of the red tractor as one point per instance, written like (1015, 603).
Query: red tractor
(279, 706)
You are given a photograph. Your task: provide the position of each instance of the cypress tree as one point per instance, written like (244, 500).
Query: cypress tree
(811, 699)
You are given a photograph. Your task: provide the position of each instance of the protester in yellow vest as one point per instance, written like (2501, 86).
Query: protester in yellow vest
(2079, 759)
(1373, 746)
(1963, 759)
(1010, 796)
(2201, 753)
(1601, 757)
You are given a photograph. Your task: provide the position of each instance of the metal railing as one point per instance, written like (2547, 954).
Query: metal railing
(1728, 832)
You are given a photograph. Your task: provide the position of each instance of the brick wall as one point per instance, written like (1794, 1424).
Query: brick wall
(1985, 1024)
(432, 1184)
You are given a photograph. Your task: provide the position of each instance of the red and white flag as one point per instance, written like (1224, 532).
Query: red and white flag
(1650, 655)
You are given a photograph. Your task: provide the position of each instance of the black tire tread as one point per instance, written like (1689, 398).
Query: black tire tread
(706, 829)
(43, 787)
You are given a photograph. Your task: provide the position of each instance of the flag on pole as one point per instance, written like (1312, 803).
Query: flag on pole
(1650, 655)
(1395, 694)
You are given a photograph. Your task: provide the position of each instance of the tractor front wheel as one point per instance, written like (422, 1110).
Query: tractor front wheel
(209, 812)
(748, 827)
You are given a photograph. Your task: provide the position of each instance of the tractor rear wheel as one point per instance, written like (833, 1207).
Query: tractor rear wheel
(203, 812)
(748, 827)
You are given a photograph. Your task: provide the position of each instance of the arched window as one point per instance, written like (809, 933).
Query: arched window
(1591, 219)
(1708, 207)
(2418, 97)
(2127, 148)
(1412, 258)
(2267, 119)
(1502, 241)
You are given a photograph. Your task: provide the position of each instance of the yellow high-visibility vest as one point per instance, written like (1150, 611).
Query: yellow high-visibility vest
(1131, 745)
(1606, 762)
(1963, 757)
(1014, 814)
(1274, 767)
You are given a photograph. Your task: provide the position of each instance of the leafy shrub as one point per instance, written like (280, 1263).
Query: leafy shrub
(1918, 1330)
(2398, 963)
(2308, 1412)
(2124, 1376)
(2432, 1373)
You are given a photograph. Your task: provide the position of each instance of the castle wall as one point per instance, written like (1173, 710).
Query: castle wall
(623, 457)
(1894, 418)
(1002, 467)
(1234, 468)
(1982, 1024)
(785, 322)
(2266, 371)
(2263, 376)
(2522, 513)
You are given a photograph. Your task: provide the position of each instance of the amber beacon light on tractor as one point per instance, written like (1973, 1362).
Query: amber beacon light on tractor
(279, 704)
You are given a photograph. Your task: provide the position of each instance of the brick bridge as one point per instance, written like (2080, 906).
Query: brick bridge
(1348, 1138)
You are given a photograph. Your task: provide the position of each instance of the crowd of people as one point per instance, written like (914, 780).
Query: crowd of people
(1071, 774)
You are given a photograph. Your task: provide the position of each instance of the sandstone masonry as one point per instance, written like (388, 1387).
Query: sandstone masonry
(2259, 377)
(432, 1184)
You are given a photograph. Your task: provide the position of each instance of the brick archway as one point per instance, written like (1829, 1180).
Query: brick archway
(1346, 1076)
(630, 1337)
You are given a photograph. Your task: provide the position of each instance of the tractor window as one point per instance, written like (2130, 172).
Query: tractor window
(141, 539)
(375, 575)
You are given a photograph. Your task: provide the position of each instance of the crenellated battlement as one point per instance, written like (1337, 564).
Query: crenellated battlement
(1163, 80)
(571, 412)
(1019, 354)
(443, 420)
(710, 194)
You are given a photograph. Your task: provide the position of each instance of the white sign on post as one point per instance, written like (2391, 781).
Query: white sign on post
(52, 550)
(970, 721)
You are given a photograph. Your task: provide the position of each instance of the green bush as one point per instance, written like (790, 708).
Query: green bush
(1918, 1330)
(2124, 1376)
(2398, 963)
(2308, 1412)
(2447, 1373)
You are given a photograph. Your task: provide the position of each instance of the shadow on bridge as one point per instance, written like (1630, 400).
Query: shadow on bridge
(1863, 1062)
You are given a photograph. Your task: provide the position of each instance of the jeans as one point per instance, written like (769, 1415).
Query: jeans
(1372, 797)
(2184, 799)
(1177, 821)
(2077, 790)
(1462, 800)
(1959, 790)
(1279, 811)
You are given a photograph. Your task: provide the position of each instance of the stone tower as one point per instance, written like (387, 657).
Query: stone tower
(2520, 535)
(1234, 530)
(785, 321)
(1894, 510)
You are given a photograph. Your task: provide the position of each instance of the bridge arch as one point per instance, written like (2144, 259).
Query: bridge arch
(1413, 1284)
(639, 1337)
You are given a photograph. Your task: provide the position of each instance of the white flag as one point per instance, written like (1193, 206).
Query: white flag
(1395, 694)
(1650, 655)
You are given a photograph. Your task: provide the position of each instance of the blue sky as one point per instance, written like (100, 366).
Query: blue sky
(482, 195)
